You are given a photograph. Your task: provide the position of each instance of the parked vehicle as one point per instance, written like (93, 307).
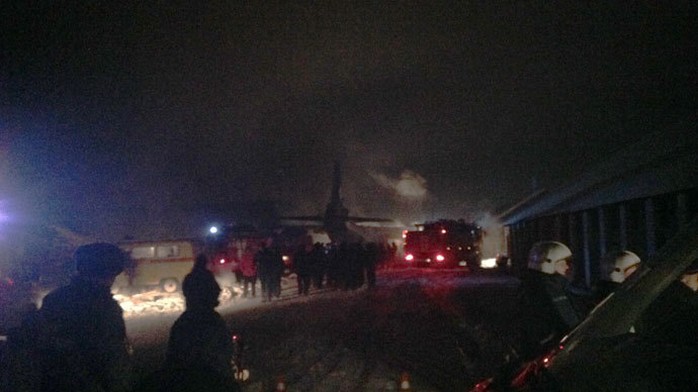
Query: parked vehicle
(444, 243)
(164, 264)
(156, 264)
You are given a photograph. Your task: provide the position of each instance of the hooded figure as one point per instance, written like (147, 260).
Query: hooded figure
(200, 348)
(78, 337)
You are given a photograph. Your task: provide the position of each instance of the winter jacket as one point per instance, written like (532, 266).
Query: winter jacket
(247, 265)
(200, 343)
(82, 340)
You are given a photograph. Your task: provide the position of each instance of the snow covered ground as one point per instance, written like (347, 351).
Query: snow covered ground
(436, 327)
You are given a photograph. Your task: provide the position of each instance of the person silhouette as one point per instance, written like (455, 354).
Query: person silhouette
(200, 348)
(79, 333)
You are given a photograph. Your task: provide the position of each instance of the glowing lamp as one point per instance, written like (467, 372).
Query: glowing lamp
(440, 258)
(409, 257)
(213, 230)
(488, 263)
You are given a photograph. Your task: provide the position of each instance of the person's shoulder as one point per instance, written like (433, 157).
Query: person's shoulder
(58, 296)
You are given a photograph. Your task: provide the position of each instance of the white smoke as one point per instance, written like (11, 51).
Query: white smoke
(493, 239)
(409, 185)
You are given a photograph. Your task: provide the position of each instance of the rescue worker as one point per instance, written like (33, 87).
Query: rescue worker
(81, 331)
(624, 264)
(200, 347)
(248, 269)
(671, 318)
(550, 309)
(661, 351)
(621, 265)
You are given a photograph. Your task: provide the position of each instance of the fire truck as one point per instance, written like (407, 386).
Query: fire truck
(443, 243)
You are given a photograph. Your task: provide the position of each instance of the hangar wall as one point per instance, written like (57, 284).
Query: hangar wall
(641, 225)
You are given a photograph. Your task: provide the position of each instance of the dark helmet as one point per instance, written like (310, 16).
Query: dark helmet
(99, 259)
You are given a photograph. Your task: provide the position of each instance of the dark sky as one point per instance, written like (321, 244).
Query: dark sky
(147, 119)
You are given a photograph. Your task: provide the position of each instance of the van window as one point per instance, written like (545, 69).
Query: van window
(143, 252)
(167, 251)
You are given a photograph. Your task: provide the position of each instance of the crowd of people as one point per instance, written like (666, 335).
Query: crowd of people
(77, 340)
(346, 266)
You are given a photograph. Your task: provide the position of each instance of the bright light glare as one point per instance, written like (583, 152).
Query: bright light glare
(222, 261)
(4, 217)
(440, 258)
(489, 263)
(213, 230)
(409, 257)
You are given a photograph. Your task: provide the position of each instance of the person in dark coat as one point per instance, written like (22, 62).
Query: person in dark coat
(265, 271)
(302, 264)
(248, 268)
(549, 308)
(372, 256)
(80, 334)
(200, 347)
(318, 269)
(276, 263)
(671, 317)
(619, 266)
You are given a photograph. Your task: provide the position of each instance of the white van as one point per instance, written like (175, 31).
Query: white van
(156, 264)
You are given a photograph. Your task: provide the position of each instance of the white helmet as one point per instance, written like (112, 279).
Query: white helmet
(544, 255)
(623, 264)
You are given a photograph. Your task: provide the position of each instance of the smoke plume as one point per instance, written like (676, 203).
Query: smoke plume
(409, 185)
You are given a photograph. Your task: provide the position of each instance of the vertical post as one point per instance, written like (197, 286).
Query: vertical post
(603, 241)
(572, 239)
(558, 227)
(585, 248)
(623, 217)
(573, 242)
(650, 234)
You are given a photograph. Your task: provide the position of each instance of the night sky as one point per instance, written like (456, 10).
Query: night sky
(155, 118)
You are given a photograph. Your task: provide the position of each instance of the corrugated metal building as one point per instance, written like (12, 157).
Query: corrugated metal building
(635, 200)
